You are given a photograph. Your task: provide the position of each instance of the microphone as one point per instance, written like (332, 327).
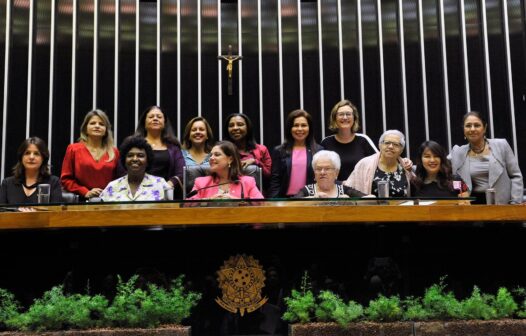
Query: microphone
(195, 191)
(242, 188)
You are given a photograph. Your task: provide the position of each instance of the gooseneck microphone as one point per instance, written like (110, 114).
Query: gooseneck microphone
(242, 188)
(195, 191)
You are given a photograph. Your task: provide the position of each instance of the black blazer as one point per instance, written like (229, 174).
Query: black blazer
(281, 166)
(12, 192)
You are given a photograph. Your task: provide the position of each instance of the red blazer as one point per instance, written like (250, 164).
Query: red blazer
(250, 189)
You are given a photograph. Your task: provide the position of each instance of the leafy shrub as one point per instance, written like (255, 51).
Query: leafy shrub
(384, 309)
(414, 310)
(504, 304)
(300, 304)
(57, 311)
(332, 308)
(8, 307)
(478, 306)
(134, 307)
(440, 304)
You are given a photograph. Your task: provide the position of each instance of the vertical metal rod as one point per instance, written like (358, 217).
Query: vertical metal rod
(51, 78)
(30, 65)
(382, 72)
(219, 72)
(444, 69)
(158, 55)
(179, 69)
(487, 67)
(280, 57)
(199, 70)
(402, 70)
(423, 66)
(320, 58)
(465, 54)
(95, 52)
(260, 75)
(6, 82)
(116, 70)
(360, 56)
(74, 30)
(240, 48)
(300, 54)
(340, 49)
(510, 74)
(137, 46)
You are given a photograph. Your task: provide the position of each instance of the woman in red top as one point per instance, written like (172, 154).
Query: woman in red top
(90, 164)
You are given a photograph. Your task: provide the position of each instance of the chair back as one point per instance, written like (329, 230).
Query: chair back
(190, 173)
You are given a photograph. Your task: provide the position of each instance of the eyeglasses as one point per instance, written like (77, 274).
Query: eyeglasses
(391, 143)
(324, 169)
(344, 114)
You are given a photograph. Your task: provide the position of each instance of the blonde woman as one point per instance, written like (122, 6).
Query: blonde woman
(90, 164)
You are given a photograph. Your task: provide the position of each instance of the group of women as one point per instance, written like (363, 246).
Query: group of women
(346, 164)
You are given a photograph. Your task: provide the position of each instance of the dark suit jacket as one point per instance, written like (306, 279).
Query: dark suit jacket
(281, 166)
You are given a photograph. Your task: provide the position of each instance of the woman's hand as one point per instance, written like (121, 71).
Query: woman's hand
(222, 196)
(247, 162)
(95, 192)
(170, 183)
(407, 164)
(25, 209)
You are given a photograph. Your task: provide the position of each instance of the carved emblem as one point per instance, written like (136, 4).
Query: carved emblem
(241, 279)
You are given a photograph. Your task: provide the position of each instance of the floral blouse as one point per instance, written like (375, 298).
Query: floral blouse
(397, 182)
(151, 189)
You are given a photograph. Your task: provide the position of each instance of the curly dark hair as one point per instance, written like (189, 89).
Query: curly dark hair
(19, 170)
(231, 150)
(187, 144)
(167, 134)
(444, 176)
(249, 138)
(134, 141)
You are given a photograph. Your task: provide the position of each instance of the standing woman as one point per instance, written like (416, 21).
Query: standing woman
(487, 163)
(238, 130)
(90, 164)
(31, 169)
(197, 142)
(292, 160)
(168, 161)
(351, 146)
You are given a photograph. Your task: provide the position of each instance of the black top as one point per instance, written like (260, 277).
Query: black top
(350, 153)
(12, 191)
(397, 182)
(310, 190)
(160, 164)
(432, 190)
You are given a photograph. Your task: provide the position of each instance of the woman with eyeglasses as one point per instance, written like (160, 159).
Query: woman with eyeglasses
(350, 146)
(326, 165)
(387, 165)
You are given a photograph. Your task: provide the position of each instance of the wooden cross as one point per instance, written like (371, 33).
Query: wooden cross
(230, 65)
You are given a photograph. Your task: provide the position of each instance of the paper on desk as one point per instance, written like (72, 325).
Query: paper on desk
(419, 203)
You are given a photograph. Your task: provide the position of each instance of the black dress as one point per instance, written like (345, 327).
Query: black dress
(12, 191)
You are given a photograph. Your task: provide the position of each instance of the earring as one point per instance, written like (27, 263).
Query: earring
(229, 165)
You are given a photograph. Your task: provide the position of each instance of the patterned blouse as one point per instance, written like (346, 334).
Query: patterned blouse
(151, 189)
(311, 190)
(397, 182)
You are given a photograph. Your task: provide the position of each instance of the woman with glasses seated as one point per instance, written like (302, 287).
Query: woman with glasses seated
(387, 165)
(351, 146)
(326, 165)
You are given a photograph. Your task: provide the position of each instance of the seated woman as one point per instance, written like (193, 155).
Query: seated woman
(238, 130)
(136, 185)
(31, 170)
(387, 165)
(433, 177)
(197, 142)
(326, 165)
(225, 180)
(90, 164)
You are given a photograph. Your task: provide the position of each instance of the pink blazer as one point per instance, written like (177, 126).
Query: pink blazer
(250, 189)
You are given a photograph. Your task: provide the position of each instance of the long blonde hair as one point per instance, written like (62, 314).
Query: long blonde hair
(107, 139)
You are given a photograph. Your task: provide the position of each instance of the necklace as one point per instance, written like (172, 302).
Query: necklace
(478, 151)
(33, 186)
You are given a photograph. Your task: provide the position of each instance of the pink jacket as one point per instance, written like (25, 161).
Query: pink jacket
(250, 190)
(362, 176)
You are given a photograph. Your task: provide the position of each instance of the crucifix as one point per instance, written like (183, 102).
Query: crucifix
(230, 65)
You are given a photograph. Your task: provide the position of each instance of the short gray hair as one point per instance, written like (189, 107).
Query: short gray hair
(393, 132)
(326, 154)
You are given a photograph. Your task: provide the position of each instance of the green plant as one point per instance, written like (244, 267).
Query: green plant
(332, 308)
(504, 304)
(384, 309)
(478, 306)
(440, 304)
(135, 307)
(414, 309)
(301, 304)
(56, 311)
(8, 307)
